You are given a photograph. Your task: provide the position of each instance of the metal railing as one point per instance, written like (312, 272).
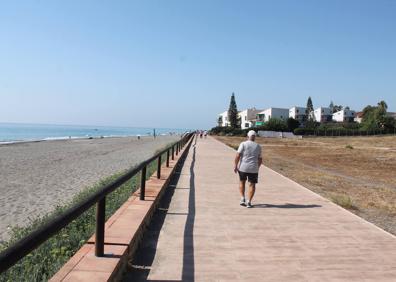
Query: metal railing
(23, 247)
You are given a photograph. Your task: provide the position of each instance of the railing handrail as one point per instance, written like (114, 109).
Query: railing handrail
(24, 246)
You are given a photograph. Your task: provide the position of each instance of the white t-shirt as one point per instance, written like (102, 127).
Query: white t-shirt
(249, 151)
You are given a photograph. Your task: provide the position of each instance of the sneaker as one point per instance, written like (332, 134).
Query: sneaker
(249, 205)
(242, 202)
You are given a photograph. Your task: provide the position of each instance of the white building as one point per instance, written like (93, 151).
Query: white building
(358, 117)
(267, 114)
(223, 119)
(299, 113)
(344, 116)
(390, 114)
(322, 114)
(248, 117)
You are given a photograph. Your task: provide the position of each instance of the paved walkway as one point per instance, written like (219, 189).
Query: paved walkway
(291, 234)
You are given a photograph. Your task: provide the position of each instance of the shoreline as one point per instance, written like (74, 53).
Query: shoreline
(85, 137)
(65, 138)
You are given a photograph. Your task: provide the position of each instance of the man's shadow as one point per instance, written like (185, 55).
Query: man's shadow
(286, 206)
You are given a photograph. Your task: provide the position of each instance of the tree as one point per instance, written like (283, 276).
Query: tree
(377, 117)
(381, 115)
(382, 105)
(292, 124)
(274, 124)
(331, 106)
(233, 113)
(310, 108)
(337, 108)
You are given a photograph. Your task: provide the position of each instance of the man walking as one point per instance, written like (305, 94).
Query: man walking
(247, 163)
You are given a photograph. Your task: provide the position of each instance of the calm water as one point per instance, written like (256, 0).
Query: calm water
(11, 132)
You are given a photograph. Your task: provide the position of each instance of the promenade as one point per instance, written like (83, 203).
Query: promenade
(291, 234)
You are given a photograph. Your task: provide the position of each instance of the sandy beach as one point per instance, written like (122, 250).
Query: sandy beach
(37, 176)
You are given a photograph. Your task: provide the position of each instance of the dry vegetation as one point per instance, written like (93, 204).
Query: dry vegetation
(357, 173)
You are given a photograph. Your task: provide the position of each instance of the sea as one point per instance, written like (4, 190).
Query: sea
(18, 132)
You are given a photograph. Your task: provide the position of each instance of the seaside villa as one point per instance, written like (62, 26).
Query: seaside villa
(358, 117)
(345, 115)
(252, 117)
(248, 118)
(299, 113)
(223, 119)
(269, 113)
(322, 114)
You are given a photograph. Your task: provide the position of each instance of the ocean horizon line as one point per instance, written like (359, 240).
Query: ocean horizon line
(87, 125)
(28, 132)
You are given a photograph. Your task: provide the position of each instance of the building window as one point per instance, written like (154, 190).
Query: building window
(297, 111)
(247, 124)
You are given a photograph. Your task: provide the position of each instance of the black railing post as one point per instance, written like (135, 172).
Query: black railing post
(167, 158)
(159, 167)
(143, 184)
(177, 148)
(100, 227)
(173, 152)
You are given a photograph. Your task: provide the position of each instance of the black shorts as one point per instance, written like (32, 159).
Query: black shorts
(252, 177)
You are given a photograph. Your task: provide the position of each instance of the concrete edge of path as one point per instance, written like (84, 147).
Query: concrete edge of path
(317, 195)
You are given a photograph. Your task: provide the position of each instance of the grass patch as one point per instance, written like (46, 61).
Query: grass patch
(233, 146)
(344, 201)
(47, 259)
(349, 146)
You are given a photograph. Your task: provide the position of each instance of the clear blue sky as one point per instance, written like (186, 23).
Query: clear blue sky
(176, 63)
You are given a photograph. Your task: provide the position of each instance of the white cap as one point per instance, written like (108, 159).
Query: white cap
(251, 133)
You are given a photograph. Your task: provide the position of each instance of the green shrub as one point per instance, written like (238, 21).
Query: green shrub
(323, 130)
(292, 124)
(273, 124)
(228, 131)
(42, 263)
(344, 201)
(304, 131)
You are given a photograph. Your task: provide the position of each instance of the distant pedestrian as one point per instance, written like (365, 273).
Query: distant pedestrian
(205, 133)
(247, 163)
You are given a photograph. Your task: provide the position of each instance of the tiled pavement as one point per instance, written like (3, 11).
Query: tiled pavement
(291, 234)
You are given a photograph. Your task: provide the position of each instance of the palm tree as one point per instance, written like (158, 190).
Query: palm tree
(382, 105)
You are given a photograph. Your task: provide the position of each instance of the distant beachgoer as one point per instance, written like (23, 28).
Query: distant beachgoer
(247, 163)
(138, 137)
(205, 133)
